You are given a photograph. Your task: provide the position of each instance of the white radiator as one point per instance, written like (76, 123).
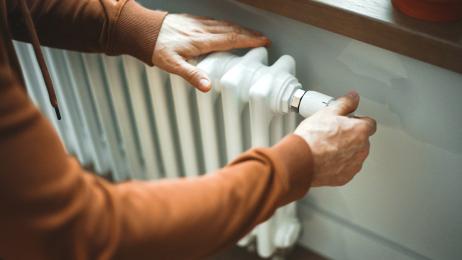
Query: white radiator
(136, 122)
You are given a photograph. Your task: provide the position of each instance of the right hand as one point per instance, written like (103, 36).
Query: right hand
(339, 144)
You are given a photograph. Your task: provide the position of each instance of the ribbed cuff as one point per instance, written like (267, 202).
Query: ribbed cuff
(136, 32)
(295, 156)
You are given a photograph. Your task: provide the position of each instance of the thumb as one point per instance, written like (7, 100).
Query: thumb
(345, 105)
(192, 74)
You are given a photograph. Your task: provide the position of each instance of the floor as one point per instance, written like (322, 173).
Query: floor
(298, 253)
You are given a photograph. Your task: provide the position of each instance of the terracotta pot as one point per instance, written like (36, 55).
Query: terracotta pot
(431, 10)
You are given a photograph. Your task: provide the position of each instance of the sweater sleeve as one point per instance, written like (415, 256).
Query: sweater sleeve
(110, 26)
(52, 209)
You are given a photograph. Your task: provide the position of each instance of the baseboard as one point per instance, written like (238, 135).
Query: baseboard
(335, 238)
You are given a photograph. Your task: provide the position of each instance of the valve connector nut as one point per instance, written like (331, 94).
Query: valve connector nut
(296, 99)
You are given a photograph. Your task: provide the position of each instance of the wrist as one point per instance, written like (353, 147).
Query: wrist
(296, 158)
(135, 32)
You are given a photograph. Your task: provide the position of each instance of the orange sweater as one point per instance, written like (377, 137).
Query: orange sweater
(50, 208)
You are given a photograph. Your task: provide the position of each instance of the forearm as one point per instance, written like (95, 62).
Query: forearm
(192, 218)
(108, 26)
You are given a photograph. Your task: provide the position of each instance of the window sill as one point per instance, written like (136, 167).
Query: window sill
(376, 22)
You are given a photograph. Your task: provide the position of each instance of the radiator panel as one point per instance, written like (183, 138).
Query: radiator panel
(131, 121)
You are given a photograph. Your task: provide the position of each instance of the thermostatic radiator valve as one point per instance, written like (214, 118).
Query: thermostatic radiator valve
(309, 102)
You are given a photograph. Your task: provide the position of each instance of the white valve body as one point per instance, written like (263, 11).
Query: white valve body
(313, 101)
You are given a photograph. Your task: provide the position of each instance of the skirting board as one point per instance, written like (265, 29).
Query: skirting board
(336, 238)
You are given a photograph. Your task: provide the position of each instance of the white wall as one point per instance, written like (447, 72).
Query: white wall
(406, 202)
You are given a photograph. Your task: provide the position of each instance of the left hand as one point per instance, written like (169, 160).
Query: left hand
(183, 37)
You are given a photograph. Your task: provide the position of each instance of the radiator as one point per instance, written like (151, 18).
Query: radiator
(129, 121)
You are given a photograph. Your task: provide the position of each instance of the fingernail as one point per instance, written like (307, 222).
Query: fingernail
(353, 94)
(204, 84)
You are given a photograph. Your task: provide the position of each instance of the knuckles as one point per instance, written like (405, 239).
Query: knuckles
(237, 29)
(362, 130)
(232, 37)
(346, 177)
(342, 180)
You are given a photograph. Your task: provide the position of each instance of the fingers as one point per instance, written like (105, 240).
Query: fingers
(363, 153)
(232, 40)
(365, 126)
(230, 28)
(191, 36)
(354, 168)
(190, 73)
(370, 125)
(345, 105)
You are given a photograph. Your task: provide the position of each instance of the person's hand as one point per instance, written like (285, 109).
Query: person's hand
(183, 37)
(339, 144)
